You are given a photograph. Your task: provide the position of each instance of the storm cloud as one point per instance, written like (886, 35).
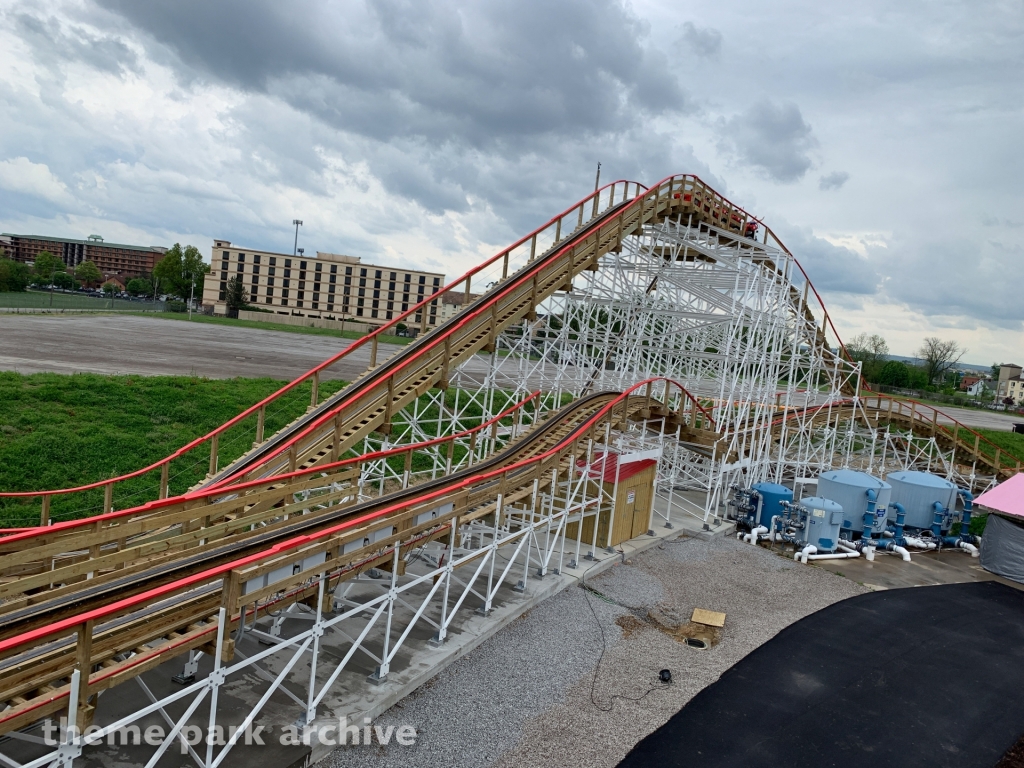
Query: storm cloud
(880, 143)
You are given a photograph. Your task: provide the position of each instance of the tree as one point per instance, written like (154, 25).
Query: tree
(110, 288)
(47, 266)
(235, 296)
(871, 351)
(995, 371)
(88, 273)
(895, 373)
(139, 286)
(14, 276)
(939, 357)
(181, 271)
(64, 280)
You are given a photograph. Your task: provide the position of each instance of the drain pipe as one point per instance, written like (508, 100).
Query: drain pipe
(752, 536)
(901, 518)
(801, 555)
(915, 541)
(965, 540)
(866, 542)
(939, 511)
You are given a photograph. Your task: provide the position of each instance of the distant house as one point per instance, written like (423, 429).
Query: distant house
(977, 388)
(116, 280)
(967, 381)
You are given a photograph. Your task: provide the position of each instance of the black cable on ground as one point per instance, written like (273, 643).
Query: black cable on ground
(587, 590)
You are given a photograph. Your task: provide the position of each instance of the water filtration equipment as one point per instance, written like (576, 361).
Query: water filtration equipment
(849, 489)
(822, 523)
(919, 493)
(772, 496)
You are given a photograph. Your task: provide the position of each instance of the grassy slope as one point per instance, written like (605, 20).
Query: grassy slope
(57, 431)
(1010, 442)
(42, 299)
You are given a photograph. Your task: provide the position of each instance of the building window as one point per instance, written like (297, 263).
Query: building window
(316, 297)
(255, 258)
(375, 304)
(362, 273)
(270, 293)
(287, 273)
(437, 282)
(376, 294)
(376, 283)
(287, 262)
(273, 261)
(284, 293)
(373, 313)
(315, 305)
(287, 283)
(255, 270)
(284, 302)
(302, 295)
(334, 279)
(302, 265)
(330, 289)
(241, 258)
(348, 270)
(423, 279)
(319, 267)
(225, 255)
(270, 281)
(377, 274)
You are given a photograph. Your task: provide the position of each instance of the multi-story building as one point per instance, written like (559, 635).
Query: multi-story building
(329, 285)
(1009, 379)
(111, 258)
(453, 302)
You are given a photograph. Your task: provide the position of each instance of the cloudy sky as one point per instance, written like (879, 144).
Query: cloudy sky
(882, 141)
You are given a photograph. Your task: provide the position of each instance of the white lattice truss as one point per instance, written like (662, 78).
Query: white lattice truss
(725, 318)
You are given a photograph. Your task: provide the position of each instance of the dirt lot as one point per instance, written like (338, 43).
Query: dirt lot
(152, 346)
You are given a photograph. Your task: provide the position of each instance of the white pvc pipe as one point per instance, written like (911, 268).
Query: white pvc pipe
(969, 547)
(771, 533)
(847, 546)
(833, 556)
(914, 541)
(802, 554)
(869, 553)
(752, 536)
(902, 552)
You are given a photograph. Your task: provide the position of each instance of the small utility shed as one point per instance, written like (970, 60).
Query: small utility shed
(634, 495)
(1002, 547)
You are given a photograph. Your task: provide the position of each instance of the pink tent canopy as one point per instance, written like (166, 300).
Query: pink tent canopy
(1007, 497)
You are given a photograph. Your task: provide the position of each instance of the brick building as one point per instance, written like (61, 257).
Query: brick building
(120, 259)
(329, 285)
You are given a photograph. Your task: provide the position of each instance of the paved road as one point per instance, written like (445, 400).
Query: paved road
(978, 418)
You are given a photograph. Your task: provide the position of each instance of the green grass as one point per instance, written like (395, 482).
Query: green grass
(258, 324)
(58, 431)
(1010, 442)
(41, 299)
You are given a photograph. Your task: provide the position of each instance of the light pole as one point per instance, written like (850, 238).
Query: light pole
(192, 290)
(297, 223)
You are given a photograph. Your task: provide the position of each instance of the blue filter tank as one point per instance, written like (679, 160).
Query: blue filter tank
(772, 495)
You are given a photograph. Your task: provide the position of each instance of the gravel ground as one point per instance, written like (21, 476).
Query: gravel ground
(525, 697)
